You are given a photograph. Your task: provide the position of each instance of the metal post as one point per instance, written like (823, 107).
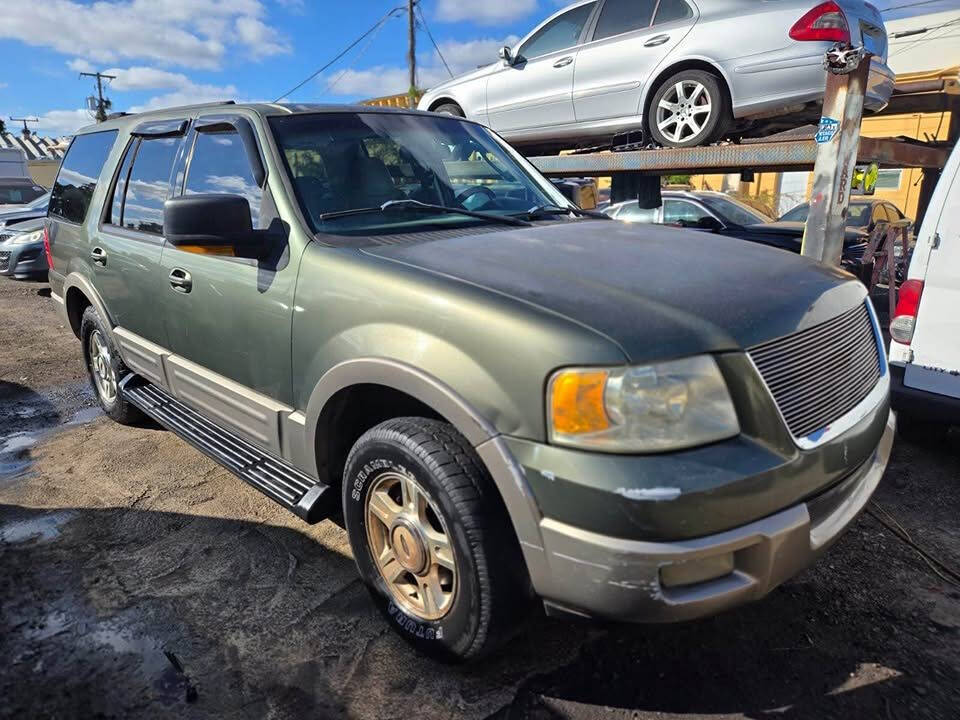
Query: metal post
(838, 140)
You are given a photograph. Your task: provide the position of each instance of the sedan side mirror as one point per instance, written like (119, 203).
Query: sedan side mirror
(212, 224)
(506, 54)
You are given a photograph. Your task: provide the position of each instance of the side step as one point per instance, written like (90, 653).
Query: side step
(298, 492)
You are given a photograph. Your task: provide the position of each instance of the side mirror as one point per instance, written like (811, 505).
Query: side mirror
(708, 223)
(506, 54)
(211, 224)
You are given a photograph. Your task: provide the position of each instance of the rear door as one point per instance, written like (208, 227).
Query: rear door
(629, 40)
(936, 341)
(125, 248)
(537, 90)
(230, 315)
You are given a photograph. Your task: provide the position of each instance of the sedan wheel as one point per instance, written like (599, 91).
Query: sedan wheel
(684, 111)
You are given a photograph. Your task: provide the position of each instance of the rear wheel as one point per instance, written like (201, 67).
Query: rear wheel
(449, 109)
(431, 539)
(105, 369)
(689, 108)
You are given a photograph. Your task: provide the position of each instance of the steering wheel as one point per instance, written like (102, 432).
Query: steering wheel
(473, 190)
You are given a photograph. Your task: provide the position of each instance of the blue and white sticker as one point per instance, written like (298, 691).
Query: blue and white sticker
(827, 130)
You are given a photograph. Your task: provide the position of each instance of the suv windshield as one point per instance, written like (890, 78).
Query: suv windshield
(351, 161)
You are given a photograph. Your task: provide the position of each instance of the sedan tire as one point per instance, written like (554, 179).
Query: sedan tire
(449, 109)
(689, 108)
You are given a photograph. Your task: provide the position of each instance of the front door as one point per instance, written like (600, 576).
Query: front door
(628, 44)
(231, 316)
(537, 89)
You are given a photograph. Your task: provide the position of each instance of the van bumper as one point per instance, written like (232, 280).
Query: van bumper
(595, 575)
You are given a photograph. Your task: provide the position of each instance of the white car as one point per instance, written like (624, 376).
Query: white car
(686, 72)
(925, 328)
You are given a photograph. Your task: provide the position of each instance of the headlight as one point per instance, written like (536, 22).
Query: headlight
(648, 408)
(24, 238)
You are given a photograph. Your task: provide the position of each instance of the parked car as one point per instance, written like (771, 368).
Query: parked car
(22, 253)
(15, 192)
(863, 214)
(31, 211)
(684, 71)
(721, 214)
(925, 328)
(13, 163)
(506, 402)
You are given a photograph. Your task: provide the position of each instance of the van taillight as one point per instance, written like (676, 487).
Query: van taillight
(825, 22)
(905, 316)
(46, 246)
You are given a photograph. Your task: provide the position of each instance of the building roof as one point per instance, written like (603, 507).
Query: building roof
(36, 147)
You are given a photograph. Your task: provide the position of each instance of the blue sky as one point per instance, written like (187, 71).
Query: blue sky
(171, 52)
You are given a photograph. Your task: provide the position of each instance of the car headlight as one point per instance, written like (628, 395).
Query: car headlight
(649, 408)
(24, 238)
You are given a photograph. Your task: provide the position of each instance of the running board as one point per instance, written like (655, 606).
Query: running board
(298, 492)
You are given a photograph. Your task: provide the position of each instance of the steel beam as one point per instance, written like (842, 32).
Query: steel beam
(838, 141)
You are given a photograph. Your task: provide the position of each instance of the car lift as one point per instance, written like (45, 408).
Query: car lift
(832, 151)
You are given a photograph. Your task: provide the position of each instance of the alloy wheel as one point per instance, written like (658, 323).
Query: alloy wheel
(684, 111)
(101, 368)
(410, 545)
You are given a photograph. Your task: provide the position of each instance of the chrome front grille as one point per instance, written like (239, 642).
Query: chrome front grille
(4, 261)
(818, 375)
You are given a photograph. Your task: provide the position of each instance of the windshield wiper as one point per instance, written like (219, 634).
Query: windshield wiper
(418, 206)
(538, 211)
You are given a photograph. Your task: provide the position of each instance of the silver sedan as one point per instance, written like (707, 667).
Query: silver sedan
(688, 72)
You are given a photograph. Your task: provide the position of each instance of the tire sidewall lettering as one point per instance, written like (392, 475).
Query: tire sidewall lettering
(371, 469)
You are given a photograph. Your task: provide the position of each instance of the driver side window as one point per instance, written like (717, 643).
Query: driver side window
(675, 211)
(219, 165)
(560, 33)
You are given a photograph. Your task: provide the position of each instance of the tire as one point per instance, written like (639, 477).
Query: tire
(681, 134)
(115, 406)
(449, 109)
(477, 605)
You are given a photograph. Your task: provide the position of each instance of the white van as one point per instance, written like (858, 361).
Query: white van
(13, 163)
(925, 329)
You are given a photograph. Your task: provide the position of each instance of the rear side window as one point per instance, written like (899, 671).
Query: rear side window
(220, 165)
(671, 11)
(149, 184)
(620, 16)
(77, 179)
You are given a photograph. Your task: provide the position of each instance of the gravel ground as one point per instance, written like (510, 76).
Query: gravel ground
(141, 580)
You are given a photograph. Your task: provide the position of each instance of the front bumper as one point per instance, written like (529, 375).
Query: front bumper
(23, 261)
(595, 575)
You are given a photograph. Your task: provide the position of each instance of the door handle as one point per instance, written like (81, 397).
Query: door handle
(656, 40)
(99, 256)
(180, 280)
(563, 62)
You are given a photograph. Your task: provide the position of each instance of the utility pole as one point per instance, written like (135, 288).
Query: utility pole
(412, 51)
(26, 131)
(103, 104)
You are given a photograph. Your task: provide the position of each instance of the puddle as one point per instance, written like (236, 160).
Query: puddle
(82, 417)
(42, 528)
(18, 442)
(51, 624)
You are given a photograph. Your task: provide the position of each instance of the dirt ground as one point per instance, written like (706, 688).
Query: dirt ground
(138, 579)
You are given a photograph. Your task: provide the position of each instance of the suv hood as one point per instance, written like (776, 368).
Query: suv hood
(657, 292)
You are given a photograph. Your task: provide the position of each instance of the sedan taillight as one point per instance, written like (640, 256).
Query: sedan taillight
(904, 320)
(46, 246)
(825, 22)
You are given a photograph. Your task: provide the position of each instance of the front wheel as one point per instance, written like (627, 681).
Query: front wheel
(689, 108)
(431, 539)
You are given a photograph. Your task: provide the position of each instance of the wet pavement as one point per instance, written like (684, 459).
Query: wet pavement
(138, 579)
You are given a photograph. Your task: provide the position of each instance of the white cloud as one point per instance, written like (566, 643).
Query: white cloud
(190, 33)
(390, 80)
(61, 122)
(487, 12)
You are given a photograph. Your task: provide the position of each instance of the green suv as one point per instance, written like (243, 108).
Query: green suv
(392, 318)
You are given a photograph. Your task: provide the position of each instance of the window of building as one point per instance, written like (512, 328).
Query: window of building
(889, 179)
(77, 179)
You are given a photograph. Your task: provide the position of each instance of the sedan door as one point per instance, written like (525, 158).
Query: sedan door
(536, 89)
(630, 40)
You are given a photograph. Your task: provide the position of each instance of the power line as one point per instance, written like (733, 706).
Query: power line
(928, 38)
(910, 5)
(356, 59)
(343, 52)
(423, 24)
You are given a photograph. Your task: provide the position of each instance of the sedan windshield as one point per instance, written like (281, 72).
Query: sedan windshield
(19, 193)
(733, 211)
(344, 161)
(858, 214)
